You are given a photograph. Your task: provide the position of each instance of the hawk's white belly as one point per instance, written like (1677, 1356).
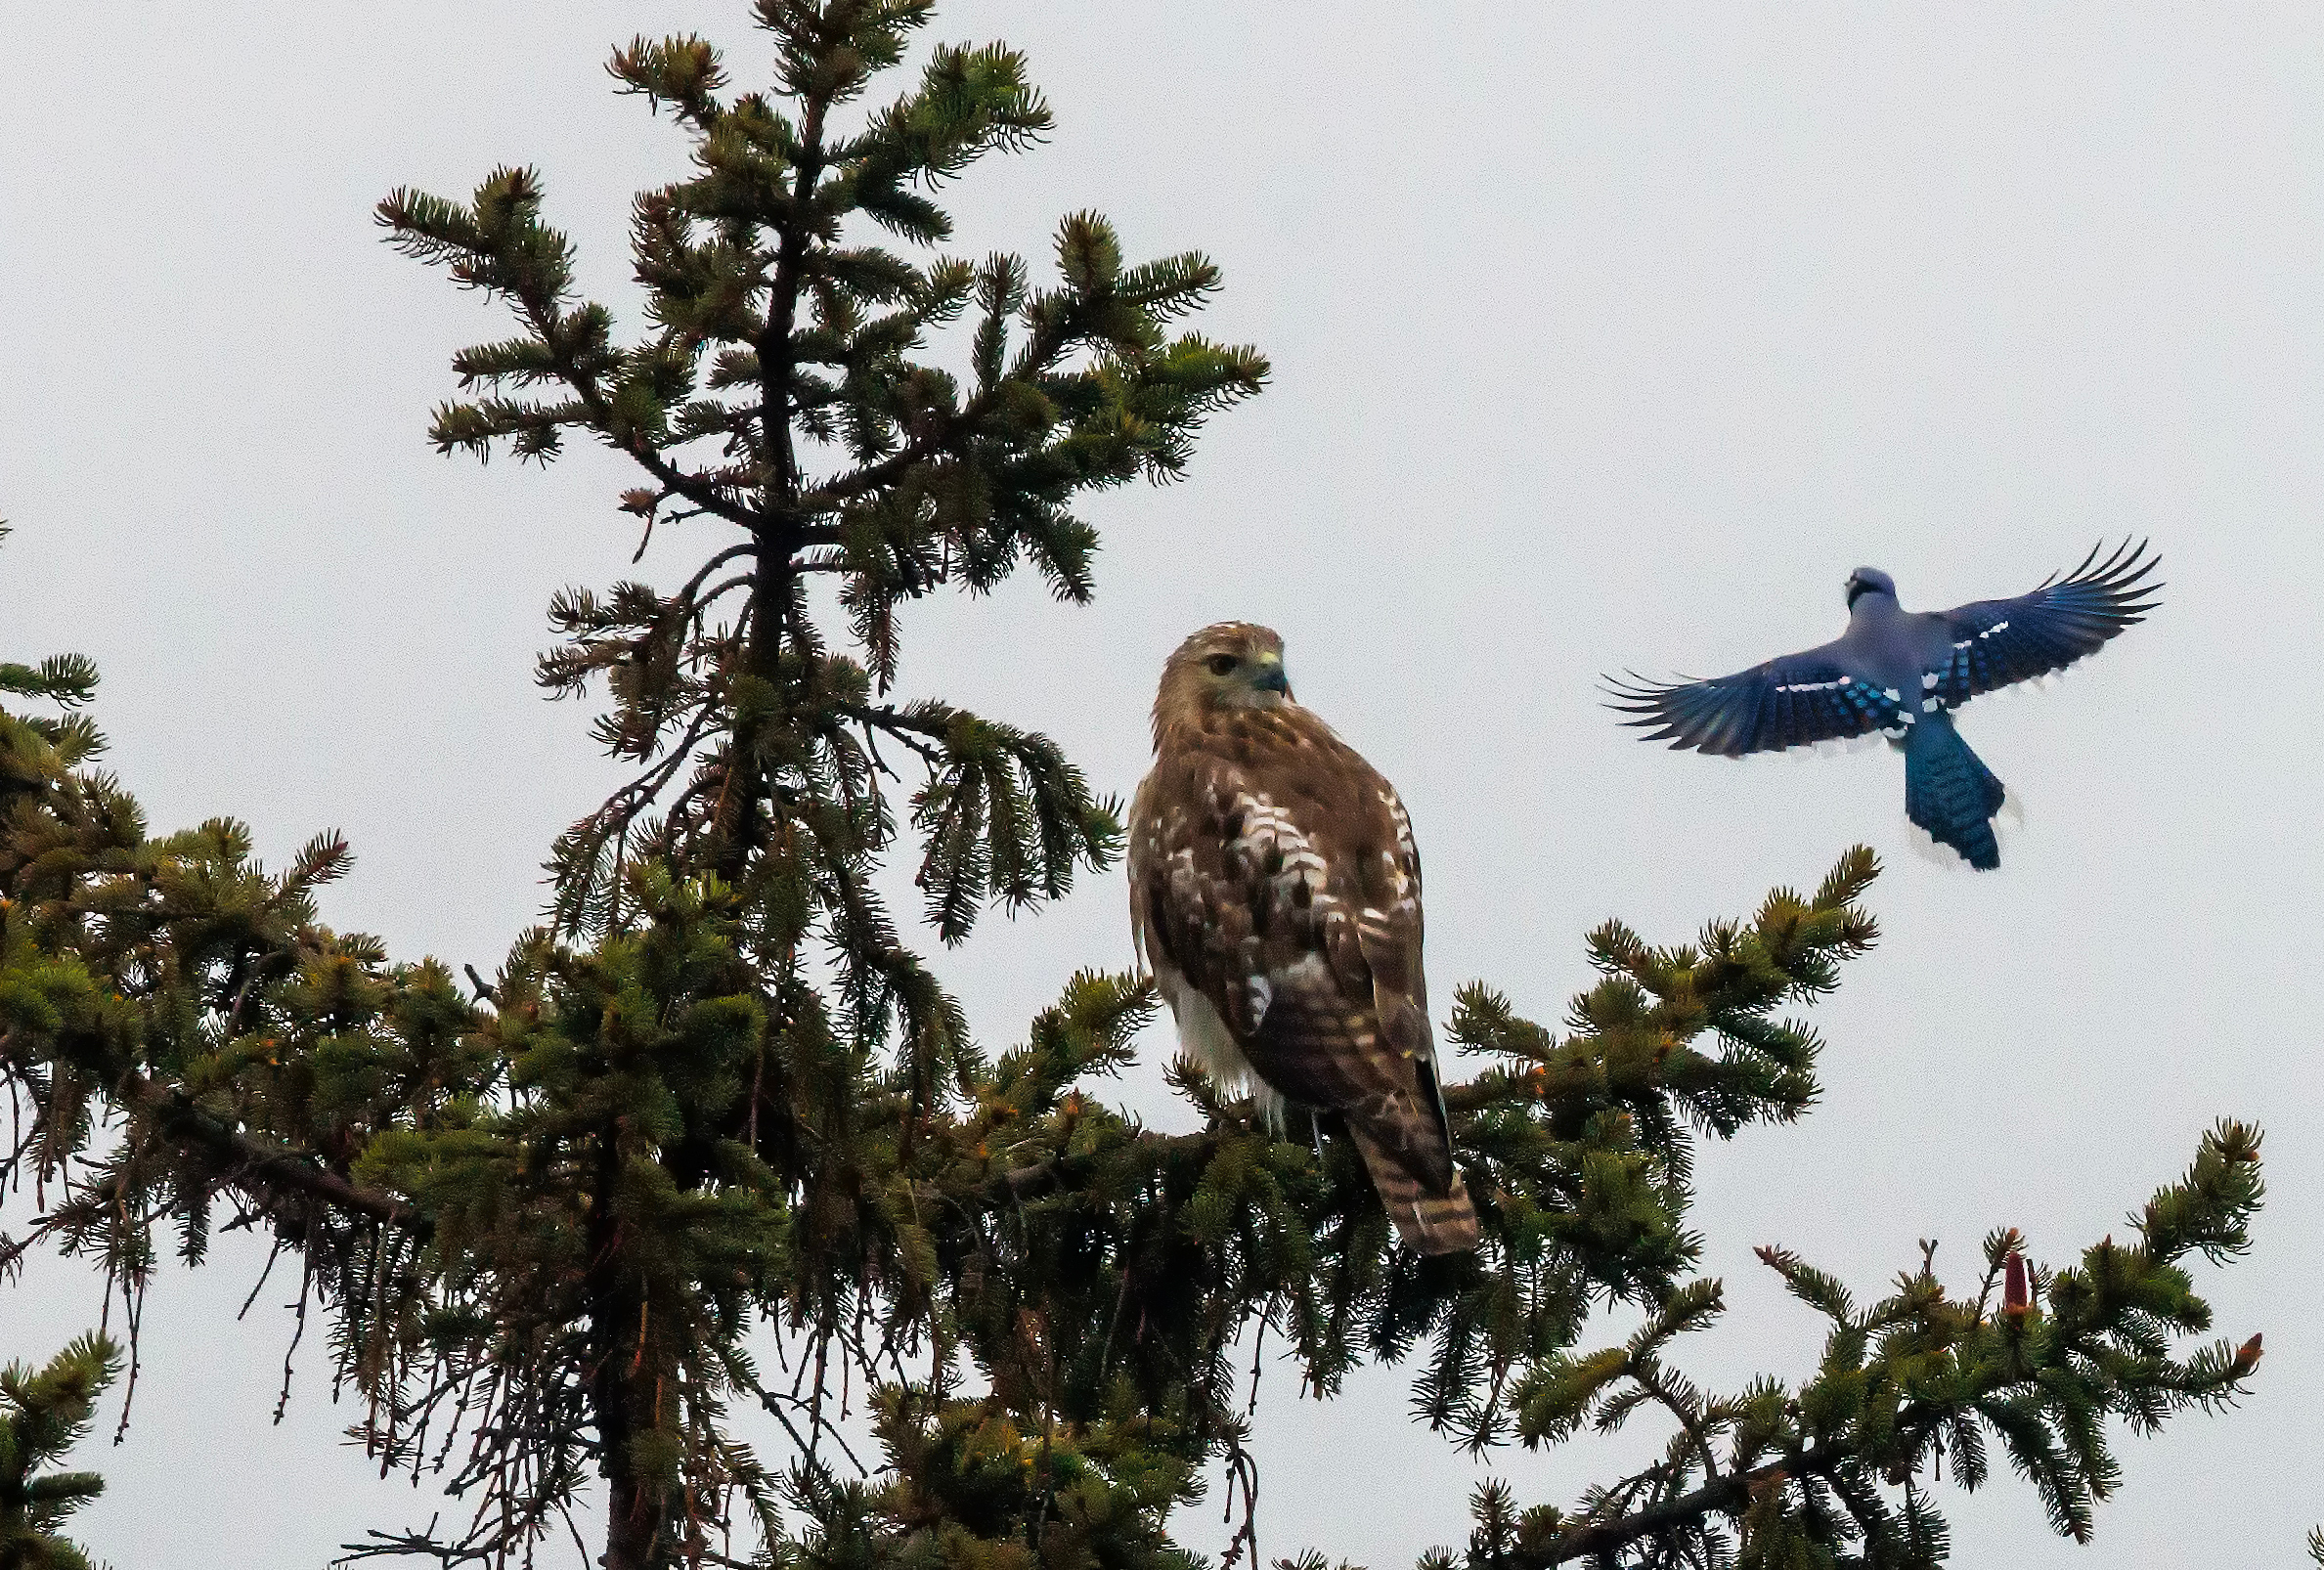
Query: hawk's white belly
(1204, 1036)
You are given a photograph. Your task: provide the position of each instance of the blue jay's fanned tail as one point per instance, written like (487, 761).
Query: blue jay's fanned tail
(1950, 792)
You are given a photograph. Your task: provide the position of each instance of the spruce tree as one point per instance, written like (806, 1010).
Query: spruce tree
(43, 1414)
(713, 1141)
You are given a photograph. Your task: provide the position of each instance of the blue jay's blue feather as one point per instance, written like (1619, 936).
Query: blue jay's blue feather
(1793, 701)
(1950, 792)
(1902, 673)
(1999, 641)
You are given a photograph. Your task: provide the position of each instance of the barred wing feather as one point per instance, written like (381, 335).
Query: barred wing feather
(1793, 701)
(1999, 641)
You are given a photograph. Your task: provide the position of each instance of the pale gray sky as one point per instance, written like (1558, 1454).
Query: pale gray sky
(1604, 335)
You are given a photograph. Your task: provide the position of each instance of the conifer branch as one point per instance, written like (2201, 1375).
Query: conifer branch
(260, 1166)
(43, 1414)
(1726, 1495)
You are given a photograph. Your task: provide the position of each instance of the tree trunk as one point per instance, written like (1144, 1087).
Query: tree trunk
(633, 1521)
(631, 1524)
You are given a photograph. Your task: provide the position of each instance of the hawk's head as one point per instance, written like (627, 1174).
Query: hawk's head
(1234, 665)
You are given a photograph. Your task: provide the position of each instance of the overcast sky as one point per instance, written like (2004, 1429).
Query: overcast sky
(1604, 335)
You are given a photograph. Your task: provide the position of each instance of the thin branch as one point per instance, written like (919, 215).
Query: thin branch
(1729, 1496)
(694, 583)
(1650, 1380)
(255, 1163)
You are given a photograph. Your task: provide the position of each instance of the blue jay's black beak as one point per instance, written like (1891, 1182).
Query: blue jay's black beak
(1272, 678)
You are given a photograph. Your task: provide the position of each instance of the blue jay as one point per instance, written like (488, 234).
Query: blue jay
(1902, 673)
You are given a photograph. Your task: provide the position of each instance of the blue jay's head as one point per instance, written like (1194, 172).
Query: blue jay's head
(1869, 581)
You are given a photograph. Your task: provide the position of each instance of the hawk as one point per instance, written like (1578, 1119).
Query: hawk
(1275, 895)
(1902, 673)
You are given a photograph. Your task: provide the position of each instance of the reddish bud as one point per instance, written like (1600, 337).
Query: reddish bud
(2017, 1287)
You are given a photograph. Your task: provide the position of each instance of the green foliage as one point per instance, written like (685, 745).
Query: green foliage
(43, 1414)
(788, 386)
(597, 1246)
(973, 1491)
(178, 987)
(1838, 1471)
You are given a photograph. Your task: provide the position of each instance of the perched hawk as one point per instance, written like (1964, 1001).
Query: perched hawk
(1904, 672)
(1275, 892)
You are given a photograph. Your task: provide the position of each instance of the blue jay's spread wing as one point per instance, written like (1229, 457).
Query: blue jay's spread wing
(1998, 641)
(1787, 701)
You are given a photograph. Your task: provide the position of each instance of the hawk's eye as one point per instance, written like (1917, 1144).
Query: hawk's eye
(1220, 664)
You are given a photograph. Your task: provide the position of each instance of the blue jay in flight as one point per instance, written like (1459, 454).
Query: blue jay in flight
(1902, 673)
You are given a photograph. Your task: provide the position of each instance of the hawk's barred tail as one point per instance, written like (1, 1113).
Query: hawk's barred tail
(1431, 1223)
(1950, 792)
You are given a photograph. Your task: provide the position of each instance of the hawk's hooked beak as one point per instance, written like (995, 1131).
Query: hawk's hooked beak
(1272, 678)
